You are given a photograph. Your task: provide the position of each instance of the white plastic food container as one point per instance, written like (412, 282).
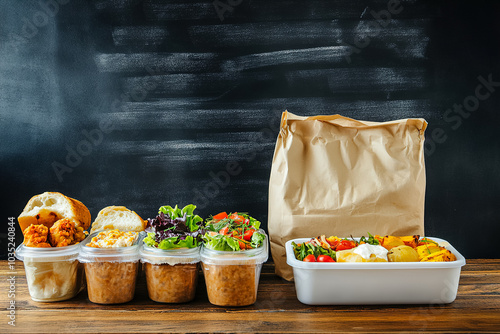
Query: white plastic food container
(232, 278)
(320, 283)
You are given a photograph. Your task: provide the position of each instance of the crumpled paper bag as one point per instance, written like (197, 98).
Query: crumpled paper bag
(338, 176)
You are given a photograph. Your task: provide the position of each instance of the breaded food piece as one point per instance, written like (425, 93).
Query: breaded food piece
(36, 236)
(64, 232)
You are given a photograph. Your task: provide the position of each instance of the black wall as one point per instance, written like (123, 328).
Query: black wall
(171, 92)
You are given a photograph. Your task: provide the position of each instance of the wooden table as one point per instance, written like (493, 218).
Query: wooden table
(476, 309)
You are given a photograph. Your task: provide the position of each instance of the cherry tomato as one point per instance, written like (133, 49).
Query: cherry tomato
(346, 244)
(309, 258)
(325, 258)
(248, 234)
(220, 216)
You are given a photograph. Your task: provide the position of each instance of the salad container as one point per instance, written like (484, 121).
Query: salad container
(171, 274)
(53, 274)
(318, 283)
(232, 277)
(111, 272)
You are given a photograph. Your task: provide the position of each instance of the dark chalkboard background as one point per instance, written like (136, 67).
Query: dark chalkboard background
(172, 91)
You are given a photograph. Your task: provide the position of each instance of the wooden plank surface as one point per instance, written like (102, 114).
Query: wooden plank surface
(476, 309)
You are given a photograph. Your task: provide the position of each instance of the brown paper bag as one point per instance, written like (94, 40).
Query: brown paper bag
(338, 176)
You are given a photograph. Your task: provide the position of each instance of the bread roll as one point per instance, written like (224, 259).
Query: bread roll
(49, 207)
(120, 218)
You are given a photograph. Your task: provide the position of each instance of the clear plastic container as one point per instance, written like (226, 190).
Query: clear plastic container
(171, 275)
(319, 283)
(232, 278)
(111, 272)
(53, 274)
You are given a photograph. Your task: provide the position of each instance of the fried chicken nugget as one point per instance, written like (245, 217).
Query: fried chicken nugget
(36, 236)
(64, 232)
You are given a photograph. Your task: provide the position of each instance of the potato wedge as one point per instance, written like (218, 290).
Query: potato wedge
(426, 250)
(411, 240)
(443, 255)
(389, 242)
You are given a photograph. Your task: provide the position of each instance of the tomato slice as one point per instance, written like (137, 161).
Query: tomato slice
(325, 258)
(309, 258)
(220, 216)
(345, 244)
(248, 234)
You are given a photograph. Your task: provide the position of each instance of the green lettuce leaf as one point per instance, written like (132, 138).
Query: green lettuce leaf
(257, 239)
(221, 242)
(171, 243)
(150, 240)
(176, 242)
(303, 249)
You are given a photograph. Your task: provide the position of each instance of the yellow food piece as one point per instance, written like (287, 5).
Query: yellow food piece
(411, 240)
(349, 256)
(113, 238)
(402, 253)
(389, 242)
(426, 241)
(408, 248)
(443, 255)
(426, 250)
(333, 240)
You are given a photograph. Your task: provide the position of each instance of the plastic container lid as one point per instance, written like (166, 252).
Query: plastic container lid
(46, 254)
(169, 256)
(256, 255)
(116, 254)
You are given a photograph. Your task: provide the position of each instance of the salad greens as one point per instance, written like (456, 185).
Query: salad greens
(174, 228)
(221, 242)
(370, 240)
(308, 248)
(192, 220)
(233, 232)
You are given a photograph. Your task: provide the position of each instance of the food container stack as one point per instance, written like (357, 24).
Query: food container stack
(171, 254)
(232, 277)
(111, 272)
(171, 274)
(57, 253)
(53, 225)
(53, 274)
(232, 257)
